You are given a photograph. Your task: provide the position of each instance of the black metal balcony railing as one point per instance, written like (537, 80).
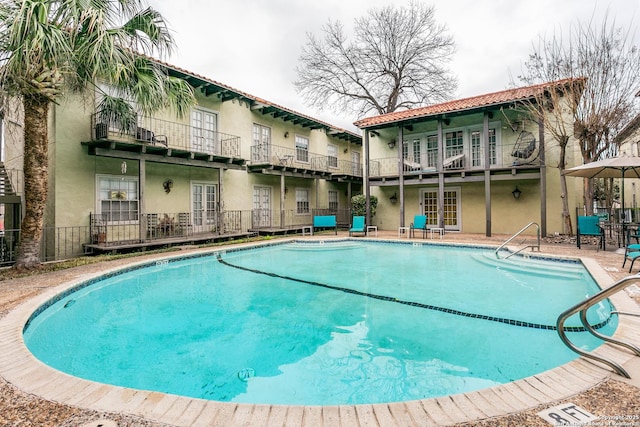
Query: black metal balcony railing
(302, 159)
(462, 160)
(153, 131)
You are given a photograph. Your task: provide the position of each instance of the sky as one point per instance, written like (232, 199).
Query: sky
(254, 45)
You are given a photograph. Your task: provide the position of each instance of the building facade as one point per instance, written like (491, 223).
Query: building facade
(483, 164)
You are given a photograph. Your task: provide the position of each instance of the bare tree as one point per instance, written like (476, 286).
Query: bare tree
(396, 60)
(602, 65)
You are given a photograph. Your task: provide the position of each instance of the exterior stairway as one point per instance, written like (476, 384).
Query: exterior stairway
(6, 189)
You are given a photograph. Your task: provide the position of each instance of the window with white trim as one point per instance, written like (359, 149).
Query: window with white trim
(477, 148)
(302, 201)
(302, 149)
(332, 153)
(204, 127)
(432, 151)
(118, 198)
(261, 149)
(333, 200)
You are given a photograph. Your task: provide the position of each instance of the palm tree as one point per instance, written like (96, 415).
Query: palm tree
(52, 47)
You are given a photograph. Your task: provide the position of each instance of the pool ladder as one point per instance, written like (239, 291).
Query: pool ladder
(582, 307)
(533, 247)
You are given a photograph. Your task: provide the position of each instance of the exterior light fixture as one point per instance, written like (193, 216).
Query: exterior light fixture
(516, 193)
(392, 143)
(167, 185)
(286, 134)
(393, 199)
(123, 167)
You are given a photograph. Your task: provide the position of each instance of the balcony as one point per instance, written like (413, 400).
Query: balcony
(163, 136)
(268, 157)
(515, 157)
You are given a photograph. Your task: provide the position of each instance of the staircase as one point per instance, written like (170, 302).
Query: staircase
(6, 189)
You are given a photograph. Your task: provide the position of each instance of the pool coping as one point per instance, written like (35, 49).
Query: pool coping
(19, 367)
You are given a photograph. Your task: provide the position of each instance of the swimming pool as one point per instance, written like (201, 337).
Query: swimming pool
(426, 329)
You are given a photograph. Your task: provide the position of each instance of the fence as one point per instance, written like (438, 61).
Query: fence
(60, 243)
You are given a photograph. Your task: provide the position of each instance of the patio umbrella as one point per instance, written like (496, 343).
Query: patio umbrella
(623, 166)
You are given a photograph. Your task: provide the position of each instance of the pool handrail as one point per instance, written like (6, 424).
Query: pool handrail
(582, 307)
(533, 247)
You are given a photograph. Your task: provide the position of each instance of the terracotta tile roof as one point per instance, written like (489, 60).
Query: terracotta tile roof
(474, 102)
(254, 100)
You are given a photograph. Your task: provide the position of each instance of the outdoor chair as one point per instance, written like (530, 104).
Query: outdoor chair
(590, 226)
(631, 253)
(419, 223)
(357, 225)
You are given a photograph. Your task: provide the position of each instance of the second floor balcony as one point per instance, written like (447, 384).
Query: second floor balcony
(458, 160)
(303, 161)
(151, 131)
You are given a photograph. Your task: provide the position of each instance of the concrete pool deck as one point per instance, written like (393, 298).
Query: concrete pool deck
(31, 393)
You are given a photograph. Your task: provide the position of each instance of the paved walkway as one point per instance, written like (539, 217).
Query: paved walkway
(34, 394)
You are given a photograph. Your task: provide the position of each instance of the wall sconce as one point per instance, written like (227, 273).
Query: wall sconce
(391, 143)
(516, 193)
(286, 134)
(393, 199)
(346, 150)
(167, 185)
(123, 167)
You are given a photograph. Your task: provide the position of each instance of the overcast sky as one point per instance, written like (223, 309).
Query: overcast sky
(254, 45)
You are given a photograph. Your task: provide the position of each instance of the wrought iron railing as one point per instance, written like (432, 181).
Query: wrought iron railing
(465, 160)
(154, 131)
(302, 159)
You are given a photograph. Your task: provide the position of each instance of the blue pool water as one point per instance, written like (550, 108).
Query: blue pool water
(319, 323)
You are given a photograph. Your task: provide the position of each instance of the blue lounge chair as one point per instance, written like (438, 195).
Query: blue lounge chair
(631, 253)
(357, 225)
(419, 223)
(590, 226)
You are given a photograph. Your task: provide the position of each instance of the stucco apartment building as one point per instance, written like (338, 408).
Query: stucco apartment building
(482, 164)
(240, 165)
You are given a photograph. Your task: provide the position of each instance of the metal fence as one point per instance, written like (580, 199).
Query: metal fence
(60, 243)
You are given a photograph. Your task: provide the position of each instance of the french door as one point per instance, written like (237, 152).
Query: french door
(203, 207)
(204, 126)
(452, 203)
(261, 207)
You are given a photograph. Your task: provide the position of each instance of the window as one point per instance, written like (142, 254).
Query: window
(118, 198)
(302, 149)
(454, 143)
(261, 134)
(454, 149)
(411, 150)
(203, 206)
(333, 200)
(302, 201)
(432, 151)
(451, 207)
(332, 153)
(477, 148)
(260, 151)
(204, 125)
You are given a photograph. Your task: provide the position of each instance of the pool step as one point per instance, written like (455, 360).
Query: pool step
(531, 265)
